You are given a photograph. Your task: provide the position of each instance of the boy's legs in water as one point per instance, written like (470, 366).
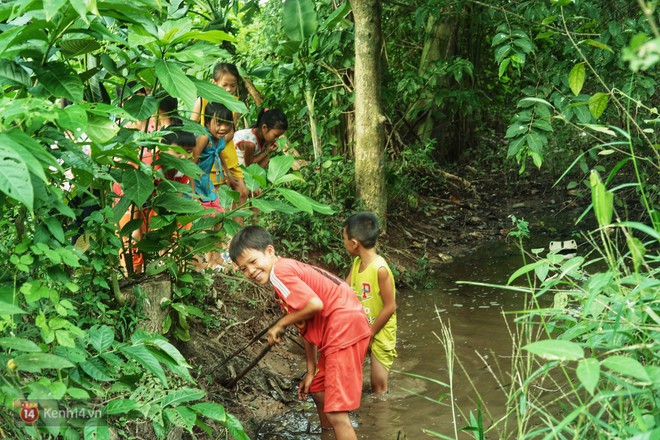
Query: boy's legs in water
(379, 375)
(337, 423)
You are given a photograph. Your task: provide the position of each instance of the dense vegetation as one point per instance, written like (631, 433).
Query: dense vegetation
(565, 85)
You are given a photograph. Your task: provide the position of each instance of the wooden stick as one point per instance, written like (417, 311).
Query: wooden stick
(239, 376)
(250, 342)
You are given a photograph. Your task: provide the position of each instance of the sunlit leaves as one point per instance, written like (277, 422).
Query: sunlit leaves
(175, 82)
(299, 19)
(576, 78)
(101, 129)
(602, 199)
(214, 93)
(556, 350)
(598, 104)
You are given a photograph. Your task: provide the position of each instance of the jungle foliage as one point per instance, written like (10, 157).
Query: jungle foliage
(566, 85)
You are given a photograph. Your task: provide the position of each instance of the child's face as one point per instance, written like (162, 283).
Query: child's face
(350, 244)
(271, 135)
(219, 129)
(228, 82)
(257, 265)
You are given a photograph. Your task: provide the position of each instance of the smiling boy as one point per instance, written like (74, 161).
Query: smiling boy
(329, 317)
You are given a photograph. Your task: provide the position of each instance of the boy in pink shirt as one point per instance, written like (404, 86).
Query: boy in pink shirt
(329, 317)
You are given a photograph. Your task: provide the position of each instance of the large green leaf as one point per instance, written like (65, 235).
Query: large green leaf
(213, 411)
(602, 199)
(175, 82)
(576, 78)
(10, 309)
(627, 366)
(101, 338)
(182, 395)
(14, 176)
(337, 16)
(279, 166)
(598, 104)
(96, 429)
(182, 417)
(556, 350)
(121, 406)
(35, 362)
(214, 93)
(13, 74)
(141, 107)
(588, 372)
(299, 19)
(19, 344)
(61, 81)
(141, 355)
(137, 186)
(78, 46)
(303, 202)
(96, 370)
(178, 204)
(101, 129)
(210, 36)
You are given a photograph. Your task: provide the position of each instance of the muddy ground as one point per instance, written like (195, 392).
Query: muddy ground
(467, 211)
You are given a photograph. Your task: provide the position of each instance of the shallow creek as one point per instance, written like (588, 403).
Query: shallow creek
(480, 336)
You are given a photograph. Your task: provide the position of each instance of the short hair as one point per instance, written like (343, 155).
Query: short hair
(221, 69)
(250, 237)
(184, 139)
(363, 227)
(273, 118)
(216, 110)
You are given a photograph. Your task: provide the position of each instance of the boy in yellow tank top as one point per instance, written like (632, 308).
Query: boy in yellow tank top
(373, 283)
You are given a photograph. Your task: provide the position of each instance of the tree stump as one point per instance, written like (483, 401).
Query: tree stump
(150, 293)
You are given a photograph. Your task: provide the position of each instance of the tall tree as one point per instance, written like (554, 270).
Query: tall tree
(369, 117)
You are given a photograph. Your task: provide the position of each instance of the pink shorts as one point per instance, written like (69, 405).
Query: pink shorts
(215, 204)
(340, 376)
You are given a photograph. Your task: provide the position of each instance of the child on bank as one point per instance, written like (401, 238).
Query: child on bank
(329, 318)
(225, 75)
(219, 126)
(254, 145)
(373, 283)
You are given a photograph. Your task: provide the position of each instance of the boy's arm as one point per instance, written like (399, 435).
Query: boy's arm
(389, 303)
(313, 306)
(310, 356)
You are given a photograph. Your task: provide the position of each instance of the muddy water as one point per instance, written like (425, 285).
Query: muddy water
(480, 336)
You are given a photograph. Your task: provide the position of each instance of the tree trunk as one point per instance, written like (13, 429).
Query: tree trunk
(369, 118)
(151, 294)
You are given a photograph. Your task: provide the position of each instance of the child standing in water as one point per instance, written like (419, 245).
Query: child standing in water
(254, 145)
(225, 75)
(329, 317)
(373, 283)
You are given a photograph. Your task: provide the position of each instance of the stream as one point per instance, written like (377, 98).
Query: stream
(480, 336)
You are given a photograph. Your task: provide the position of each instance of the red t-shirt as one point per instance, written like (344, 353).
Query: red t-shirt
(340, 324)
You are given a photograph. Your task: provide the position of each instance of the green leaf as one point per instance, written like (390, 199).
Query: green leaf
(61, 81)
(181, 395)
(576, 78)
(78, 46)
(598, 44)
(13, 175)
(101, 129)
(235, 428)
(525, 269)
(215, 93)
(94, 369)
(64, 338)
(499, 38)
(141, 355)
(137, 186)
(588, 372)
(54, 226)
(13, 74)
(627, 366)
(213, 36)
(337, 16)
(141, 107)
(299, 19)
(175, 82)
(598, 104)
(121, 406)
(177, 204)
(303, 202)
(556, 350)
(18, 344)
(182, 417)
(213, 411)
(602, 199)
(641, 227)
(101, 338)
(96, 429)
(278, 167)
(35, 362)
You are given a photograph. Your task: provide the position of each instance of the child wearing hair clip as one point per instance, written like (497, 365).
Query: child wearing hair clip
(254, 145)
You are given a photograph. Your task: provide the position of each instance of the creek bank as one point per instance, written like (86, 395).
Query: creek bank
(449, 223)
